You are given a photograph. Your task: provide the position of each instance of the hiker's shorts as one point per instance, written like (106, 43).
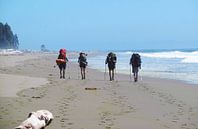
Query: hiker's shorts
(111, 66)
(83, 65)
(62, 66)
(135, 69)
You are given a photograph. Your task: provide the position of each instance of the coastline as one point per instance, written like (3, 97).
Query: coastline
(151, 103)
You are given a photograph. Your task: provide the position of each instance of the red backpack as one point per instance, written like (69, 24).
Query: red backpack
(63, 52)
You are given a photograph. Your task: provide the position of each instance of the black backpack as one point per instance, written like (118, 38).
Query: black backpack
(112, 58)
(136, 60)
(83, 59)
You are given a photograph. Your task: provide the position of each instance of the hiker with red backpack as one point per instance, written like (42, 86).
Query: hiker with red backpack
(135, 63)
(61, 62)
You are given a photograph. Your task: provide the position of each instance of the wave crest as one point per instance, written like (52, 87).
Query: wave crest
(187, 57)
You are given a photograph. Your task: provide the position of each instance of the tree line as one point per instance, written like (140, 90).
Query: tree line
(8, 40)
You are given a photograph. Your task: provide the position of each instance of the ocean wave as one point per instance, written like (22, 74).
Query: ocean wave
(10, 52)
(187, 57)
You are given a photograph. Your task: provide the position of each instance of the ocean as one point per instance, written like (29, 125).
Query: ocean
(171, 64)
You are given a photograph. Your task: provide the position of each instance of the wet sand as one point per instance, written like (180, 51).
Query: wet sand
(148, 104)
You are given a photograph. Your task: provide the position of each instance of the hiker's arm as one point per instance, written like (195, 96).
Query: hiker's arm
(59, 56)
(66, 59)
(106, 61)
(78, 59)
(130, 62)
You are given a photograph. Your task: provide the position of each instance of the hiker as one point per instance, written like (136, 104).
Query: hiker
(82, 60)
(61, 62)
(111, 61)
(135, 63)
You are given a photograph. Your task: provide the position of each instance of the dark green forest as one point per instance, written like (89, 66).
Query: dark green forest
(8, 40)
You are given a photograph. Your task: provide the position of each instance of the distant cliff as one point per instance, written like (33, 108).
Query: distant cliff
(8, 40)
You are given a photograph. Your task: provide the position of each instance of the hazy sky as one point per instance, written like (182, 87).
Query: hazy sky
(103, 24)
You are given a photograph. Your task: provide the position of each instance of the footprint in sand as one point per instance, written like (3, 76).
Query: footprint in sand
(106, 119)
(70, 123)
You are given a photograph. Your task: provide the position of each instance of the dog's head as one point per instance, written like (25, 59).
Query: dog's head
(45, 115)
(37, 120)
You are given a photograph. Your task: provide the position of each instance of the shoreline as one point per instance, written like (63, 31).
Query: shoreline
(151, 103)
(149, 77)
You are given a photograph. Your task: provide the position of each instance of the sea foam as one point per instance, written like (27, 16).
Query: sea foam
(9, 52)
(187, 57)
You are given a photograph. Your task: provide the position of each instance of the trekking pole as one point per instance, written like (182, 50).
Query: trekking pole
(115, 74)
(68, 71)
(86, 74)
(78, 73)
(116, 78)
(140, 77)
(105, 72)
(130, 74)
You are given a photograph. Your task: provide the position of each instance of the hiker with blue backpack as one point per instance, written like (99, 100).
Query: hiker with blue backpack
(135, 63)
(82, 60)
(111, 61)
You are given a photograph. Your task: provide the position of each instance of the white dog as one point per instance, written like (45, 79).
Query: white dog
(37, 120)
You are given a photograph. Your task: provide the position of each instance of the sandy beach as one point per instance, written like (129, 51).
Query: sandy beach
(30, 82)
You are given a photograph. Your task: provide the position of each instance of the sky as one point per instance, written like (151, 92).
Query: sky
(102, 24)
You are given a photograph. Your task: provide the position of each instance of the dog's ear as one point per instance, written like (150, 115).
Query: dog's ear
(30, 114)
(47, 123)
(19, 127)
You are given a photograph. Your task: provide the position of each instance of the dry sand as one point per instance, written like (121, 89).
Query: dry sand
(149, 104)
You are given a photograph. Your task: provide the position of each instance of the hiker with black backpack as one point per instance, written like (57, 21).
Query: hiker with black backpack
(111, 61)
(82, 60)
(135, 63)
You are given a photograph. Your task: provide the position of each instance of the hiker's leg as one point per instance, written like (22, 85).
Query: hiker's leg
(84, 72)
(64, 67)
(63, 73)
(81, 71)
(110, 74)
(113, 74)
(60, 73)
(135, 79)
(137, 76)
